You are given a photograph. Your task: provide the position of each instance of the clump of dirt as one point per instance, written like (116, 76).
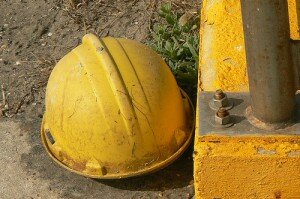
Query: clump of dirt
(34, 35)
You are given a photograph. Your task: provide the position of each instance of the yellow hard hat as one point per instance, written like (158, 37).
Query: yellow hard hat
(114, 110)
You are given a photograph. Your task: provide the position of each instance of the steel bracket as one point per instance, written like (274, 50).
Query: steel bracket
(241, 124)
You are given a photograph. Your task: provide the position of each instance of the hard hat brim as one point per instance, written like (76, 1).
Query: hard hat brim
(147, 170)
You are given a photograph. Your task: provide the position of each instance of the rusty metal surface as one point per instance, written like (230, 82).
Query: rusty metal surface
(269, 58)
(242, 126)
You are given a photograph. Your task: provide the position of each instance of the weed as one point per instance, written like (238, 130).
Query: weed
(177, 40)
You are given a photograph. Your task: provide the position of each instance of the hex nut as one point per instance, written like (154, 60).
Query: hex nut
(222, 121)
(222, 102)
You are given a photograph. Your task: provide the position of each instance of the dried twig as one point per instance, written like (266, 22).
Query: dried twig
(21, 102)
(152, 8)
(3, 96)
(84, 27)
(31, 94)
(118, 16)
(72, 3)
(4, 105)
(108, 24)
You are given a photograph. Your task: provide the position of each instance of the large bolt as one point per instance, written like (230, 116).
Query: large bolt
(219, 94)
(220, 99)
(222, 117)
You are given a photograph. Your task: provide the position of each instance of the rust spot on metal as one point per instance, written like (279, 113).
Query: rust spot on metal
(263, 125)
(278, 194)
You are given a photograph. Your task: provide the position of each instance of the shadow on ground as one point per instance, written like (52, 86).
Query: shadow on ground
(177, 175)
(175, 181)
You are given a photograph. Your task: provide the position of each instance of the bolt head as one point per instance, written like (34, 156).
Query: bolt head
(219, 94)
(222, 120)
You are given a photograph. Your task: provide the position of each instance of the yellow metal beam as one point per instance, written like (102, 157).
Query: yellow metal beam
(248, 166)
(222, 47)
(294, 12)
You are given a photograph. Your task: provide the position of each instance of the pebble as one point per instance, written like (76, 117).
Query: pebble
(18, 63)
(50, 34)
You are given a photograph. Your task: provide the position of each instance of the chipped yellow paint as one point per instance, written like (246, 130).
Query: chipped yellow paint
(294, 12)
(251, 145)
(222, 51)
(222, 47)
(241, 166)
(247, 167)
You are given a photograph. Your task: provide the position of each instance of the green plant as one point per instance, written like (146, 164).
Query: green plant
(177, 40)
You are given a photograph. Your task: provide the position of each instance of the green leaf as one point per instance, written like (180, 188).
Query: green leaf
(166, 8)
(179, 46)
(170, 19)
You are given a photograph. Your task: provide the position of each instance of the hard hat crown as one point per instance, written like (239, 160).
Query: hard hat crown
(113, 110)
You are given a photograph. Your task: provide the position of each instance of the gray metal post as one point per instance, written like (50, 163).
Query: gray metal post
(269, 59)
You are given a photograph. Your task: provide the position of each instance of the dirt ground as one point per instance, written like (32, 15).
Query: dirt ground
(34, 35)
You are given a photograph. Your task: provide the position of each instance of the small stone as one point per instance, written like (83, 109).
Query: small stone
(50, 34)
(5, 25)
(18, 63)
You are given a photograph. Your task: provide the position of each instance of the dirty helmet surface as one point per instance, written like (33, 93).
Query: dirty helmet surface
(114, 110)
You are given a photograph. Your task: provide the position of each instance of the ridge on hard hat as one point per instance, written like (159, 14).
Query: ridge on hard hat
(114, 110)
